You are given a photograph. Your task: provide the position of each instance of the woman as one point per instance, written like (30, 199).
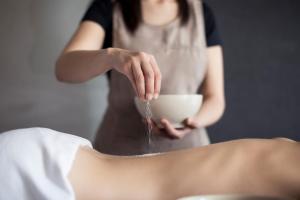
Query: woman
(44, 164)
(150, 47)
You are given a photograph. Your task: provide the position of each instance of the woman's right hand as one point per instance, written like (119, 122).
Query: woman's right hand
(141, 69)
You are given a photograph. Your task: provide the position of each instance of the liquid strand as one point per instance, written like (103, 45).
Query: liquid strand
(149, 125)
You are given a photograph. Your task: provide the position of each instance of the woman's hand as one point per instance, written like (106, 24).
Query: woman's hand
(141, 69)
(175, 133)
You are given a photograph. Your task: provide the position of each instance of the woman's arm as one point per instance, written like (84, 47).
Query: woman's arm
(83, 59)
(213, 98)
(212, 89)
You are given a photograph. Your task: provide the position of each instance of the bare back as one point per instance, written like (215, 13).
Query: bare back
(236, 167)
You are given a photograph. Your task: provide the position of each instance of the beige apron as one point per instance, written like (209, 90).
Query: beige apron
(180, 52)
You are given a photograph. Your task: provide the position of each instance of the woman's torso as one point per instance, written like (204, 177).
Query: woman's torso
(180, 52)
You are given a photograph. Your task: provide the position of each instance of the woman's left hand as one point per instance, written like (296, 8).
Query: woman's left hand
(176, 133)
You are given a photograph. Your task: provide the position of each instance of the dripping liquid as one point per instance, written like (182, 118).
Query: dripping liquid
(148, 115)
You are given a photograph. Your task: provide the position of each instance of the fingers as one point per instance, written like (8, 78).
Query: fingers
(156, 129)
(148, 78)
(157, 76)
(147, 75)
(154, 126)
(168, 131)
(132, 81)
(191, 122)
(174, 132)
(142, 70)
(168, 126)
(138, 79)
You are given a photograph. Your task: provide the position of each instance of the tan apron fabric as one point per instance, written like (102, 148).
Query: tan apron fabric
(181, 55)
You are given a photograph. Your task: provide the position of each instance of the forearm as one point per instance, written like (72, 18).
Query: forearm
(212, 89)
(80, 66)
(211, 111)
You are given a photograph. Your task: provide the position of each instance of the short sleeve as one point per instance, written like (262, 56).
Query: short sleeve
(211, 30)
(100, 11)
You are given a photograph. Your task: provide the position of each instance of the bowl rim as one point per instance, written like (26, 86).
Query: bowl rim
(176, 95)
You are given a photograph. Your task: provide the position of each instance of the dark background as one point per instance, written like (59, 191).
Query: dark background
(262, 68)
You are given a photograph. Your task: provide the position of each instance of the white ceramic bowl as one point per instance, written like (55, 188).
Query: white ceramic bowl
(175, 108)
(231, 197)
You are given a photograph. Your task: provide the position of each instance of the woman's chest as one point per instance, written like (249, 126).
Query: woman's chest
(159, 13)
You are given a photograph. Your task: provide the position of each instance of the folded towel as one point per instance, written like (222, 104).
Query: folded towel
(35, 162)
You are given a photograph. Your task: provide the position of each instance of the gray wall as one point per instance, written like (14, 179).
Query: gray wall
(261, 41)
(262, 72)
(33, 32)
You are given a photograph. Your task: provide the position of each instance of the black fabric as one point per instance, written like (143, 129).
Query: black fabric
(100, 11)
(211, 30)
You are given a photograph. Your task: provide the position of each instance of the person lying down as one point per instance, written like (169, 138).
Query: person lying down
(39, 163)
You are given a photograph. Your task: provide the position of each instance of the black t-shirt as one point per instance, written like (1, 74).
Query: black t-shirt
(100, 11)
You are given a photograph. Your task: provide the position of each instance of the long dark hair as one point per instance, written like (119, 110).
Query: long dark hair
(132, 12)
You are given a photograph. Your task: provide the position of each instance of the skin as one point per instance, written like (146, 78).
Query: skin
(249, 167)
(213, 105)
(83, 59)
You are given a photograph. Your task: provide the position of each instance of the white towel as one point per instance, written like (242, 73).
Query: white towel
(35, 162)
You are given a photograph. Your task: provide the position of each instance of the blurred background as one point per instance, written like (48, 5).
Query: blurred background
(262, 69)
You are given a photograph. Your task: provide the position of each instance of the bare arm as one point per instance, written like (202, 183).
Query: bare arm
(83, 59)
(214, 99)
(212, 90)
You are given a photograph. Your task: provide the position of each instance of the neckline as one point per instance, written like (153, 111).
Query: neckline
(163, 26)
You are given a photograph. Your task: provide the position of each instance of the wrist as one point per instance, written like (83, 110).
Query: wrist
(194, 122)
(113, 54)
